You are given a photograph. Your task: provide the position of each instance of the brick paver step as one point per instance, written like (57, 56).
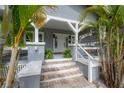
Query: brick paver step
(77, 82)
(59, 75)
(50, 69)
(61, 62)
(61, 78)
(58, 65)
(63, 74)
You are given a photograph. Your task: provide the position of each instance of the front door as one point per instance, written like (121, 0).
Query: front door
(59, 42)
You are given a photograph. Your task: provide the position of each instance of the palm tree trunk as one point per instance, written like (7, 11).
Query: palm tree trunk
(14, 57)
(1, 52)
(4, 29)
(12, 66)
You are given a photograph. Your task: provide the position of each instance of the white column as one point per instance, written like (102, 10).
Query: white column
(76, 48)
(76, 42)
(36, 35)
(90, 73)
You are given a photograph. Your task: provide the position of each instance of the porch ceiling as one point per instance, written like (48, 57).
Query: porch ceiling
(56, 24)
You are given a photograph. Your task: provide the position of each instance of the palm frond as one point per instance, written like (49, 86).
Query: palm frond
(26, 12)
(5, 22)
(99, 10)
(110, 19)
(40, 15)
(88, 24)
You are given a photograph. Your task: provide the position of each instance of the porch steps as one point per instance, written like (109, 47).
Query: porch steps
(58, 64)
(62, 74)
(60, 71)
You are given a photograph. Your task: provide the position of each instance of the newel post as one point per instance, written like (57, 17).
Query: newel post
(90, 73)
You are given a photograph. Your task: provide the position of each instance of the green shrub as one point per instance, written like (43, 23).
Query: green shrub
(48, 53)
(67, 53)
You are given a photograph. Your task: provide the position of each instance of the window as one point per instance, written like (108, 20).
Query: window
(71, 39)
(41, 37)
(66, 42)
(55, 40)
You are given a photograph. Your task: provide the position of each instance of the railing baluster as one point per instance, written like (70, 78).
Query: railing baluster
(84, 51)
(4, 71)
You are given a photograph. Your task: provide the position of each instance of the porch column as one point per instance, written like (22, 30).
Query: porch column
(36, 32)
(76, 42)
(76, 48)
(36, 35)
(90, 69)
(36, 48)
(75, 29)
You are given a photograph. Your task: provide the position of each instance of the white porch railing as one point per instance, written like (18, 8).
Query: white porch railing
(3, 73)
(84, 36)
(85, 55)
(87, 59)
(80, 47)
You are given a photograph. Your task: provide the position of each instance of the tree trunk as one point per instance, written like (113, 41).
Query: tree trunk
(4, 29)
(1, 52)
(12, 66)
(13, 60)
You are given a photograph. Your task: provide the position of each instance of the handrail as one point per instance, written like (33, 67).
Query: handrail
(88, 43)
(85, 35)
(79, 53)
(85, 51)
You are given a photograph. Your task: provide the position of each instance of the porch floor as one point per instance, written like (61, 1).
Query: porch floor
(58, 56)
(64, 74)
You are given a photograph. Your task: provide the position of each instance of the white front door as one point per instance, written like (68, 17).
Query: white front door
(59, 42)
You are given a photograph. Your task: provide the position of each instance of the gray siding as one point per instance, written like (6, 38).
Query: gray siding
(69, 12)
(48, 36)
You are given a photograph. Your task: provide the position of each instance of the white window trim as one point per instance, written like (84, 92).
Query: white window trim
(34, 36)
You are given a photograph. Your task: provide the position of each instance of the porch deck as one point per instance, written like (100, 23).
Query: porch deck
(57, 56)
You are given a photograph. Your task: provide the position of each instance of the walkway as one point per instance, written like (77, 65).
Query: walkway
(64, 74)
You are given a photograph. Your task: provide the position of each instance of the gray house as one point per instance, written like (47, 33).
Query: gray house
(58, 31)
(62, 30)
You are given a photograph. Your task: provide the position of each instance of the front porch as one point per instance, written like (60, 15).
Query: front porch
(89, 65)
(57, 41)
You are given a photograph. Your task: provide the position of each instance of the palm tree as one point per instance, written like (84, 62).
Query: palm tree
(4, 29)
(22, 17)
(108, 27)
